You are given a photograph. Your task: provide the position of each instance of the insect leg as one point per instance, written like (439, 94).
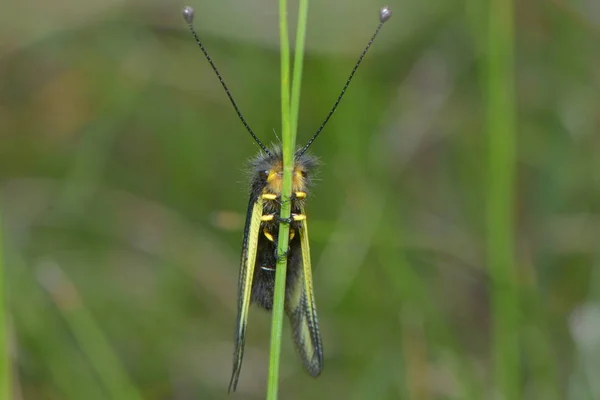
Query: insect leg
(293, 217)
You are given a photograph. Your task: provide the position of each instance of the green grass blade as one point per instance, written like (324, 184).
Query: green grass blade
(5, 379)
(282, 243)
(415, 294)
(89, 335)
(67, 369)
(499, 218)
(289, 121)
(298, 61)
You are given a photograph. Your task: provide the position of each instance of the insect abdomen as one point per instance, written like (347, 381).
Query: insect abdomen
(266, 261)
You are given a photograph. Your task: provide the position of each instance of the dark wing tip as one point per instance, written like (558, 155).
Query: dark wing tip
(233, 382)
(315, 368)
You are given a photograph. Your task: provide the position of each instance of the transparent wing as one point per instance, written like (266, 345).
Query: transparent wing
(249, 246)
(301, 310)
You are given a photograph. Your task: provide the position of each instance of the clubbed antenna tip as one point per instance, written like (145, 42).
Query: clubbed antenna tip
(384, 14)
(188, 14)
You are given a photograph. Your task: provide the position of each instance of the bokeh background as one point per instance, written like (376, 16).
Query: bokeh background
(123, 195)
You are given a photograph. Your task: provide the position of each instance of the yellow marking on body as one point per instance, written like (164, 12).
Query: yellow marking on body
(298, 184)
(267, 217)
(292, 233)
(269, 196)
(275, 177)
(268, 235)
(300, 195)
(299, 217)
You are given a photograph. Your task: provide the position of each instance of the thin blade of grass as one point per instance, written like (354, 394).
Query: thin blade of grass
(282, 242)
(289, 121)
(5, 379)
(499, 218)
(54, 352)
(414, 293)
(298, 63)
(88, 334)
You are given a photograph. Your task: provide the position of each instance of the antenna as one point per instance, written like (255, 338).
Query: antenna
(384, 14)
(188, 15)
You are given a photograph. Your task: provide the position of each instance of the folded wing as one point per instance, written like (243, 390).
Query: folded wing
(301, 310)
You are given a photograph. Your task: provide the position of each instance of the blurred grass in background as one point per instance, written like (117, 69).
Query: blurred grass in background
(123, 192)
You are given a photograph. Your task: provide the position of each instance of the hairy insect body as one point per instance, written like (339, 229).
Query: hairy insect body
(259, 257)
(266, 183)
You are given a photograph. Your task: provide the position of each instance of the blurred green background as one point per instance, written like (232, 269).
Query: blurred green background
(123, 195)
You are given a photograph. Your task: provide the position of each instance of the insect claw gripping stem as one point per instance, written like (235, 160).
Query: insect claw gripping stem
(283, 220)
(283, 256)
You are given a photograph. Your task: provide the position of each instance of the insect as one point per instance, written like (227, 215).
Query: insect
(259, 246)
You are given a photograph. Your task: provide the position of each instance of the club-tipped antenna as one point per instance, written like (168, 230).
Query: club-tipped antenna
(188, 15)
(384, 14)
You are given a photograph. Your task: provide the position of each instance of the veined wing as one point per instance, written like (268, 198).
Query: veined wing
(249, 246)
(302, 312)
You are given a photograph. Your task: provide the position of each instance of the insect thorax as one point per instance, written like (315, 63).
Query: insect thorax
(267, 174)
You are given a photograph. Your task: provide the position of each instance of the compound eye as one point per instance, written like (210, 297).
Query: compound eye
(264, 174)
(303, 174)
